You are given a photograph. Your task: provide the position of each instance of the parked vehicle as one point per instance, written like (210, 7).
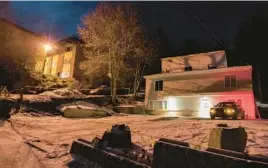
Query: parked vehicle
(227, 110)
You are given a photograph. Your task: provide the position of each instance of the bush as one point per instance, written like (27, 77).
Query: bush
(139, 110)
(48, 82)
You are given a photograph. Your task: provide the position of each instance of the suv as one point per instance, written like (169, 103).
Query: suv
(227, 110)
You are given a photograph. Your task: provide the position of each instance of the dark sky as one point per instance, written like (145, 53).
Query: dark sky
(60, 19)
(57, 19)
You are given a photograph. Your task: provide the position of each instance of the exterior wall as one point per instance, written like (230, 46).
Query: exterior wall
(185, 94)
(22, 45)
(77, 73)
(198, 83)
(200, 104)
(197, 61)
(68, 61)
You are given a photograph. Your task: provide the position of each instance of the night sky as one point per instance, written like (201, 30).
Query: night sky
(60, 19)
(56, 19)
(178, 20)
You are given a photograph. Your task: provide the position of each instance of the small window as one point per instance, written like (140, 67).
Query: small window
(158, 85)
(227, 81)
(188, 68)
(68, 49)
(230, 81)
(210, 66)
(233, 81)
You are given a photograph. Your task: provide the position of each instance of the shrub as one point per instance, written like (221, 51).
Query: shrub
(48, 82)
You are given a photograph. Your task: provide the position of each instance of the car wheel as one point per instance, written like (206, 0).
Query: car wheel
(243, 117)
(212, 117)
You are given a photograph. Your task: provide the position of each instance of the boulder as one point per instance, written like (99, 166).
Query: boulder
(5, 108)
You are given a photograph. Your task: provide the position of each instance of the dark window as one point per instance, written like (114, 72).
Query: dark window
(230, 81)
(227, 81)
(68, 49)
(158, 85)
(188, 68)
(210, 66)
(233, 81)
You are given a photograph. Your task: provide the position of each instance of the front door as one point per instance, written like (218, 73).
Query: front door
(204, 108)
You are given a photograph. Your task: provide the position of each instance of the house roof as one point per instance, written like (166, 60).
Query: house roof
(21, 28)
(70, 40)
(206, 71)
(216, 53)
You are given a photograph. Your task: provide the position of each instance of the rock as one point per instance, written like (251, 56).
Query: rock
(5, 108)
(233, 139)
(118, 137)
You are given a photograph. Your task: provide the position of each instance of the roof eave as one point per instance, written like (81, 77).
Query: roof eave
(228, 69)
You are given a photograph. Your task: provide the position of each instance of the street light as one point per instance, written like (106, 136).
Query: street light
(47, 47)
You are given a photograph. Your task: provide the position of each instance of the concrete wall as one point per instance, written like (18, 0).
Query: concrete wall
(167, 155)
(20, 44)
(197, 61)
(103, 158)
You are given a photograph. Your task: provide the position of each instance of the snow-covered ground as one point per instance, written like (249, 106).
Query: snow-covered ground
(52, 136)
(262, 105)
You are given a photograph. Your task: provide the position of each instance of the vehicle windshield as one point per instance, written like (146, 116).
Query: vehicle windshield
(226, 104)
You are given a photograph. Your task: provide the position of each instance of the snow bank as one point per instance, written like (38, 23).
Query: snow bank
(64, 92)
(83, 105)
(262, 105)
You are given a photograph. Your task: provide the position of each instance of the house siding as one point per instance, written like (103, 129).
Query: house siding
(196, 61)
(187, 91)
(20, 44)
(199, 83)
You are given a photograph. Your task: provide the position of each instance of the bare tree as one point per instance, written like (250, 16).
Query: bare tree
(111, 36)
(144, 54)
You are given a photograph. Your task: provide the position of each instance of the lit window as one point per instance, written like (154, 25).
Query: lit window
(67, 58)
(230, 81)
(158, 85)
(65, 74)
(66, 71)
(47, 68)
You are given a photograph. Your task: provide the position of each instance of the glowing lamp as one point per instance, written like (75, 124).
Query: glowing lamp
(47, 47)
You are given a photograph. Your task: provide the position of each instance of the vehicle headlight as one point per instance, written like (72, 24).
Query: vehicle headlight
(230, 111)
(212, 110)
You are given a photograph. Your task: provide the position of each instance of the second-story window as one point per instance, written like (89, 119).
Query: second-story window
(230, 81)
(68, 49)
(158, 85)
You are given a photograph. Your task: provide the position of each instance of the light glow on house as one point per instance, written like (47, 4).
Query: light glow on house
(171, 106)
(172, 103)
